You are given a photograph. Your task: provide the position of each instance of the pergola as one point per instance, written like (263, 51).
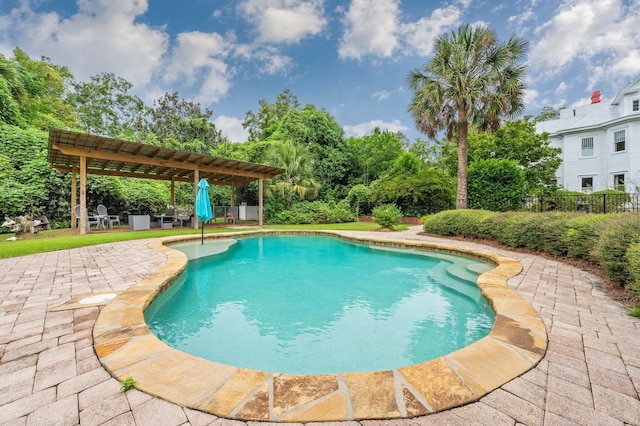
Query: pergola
(81, 153)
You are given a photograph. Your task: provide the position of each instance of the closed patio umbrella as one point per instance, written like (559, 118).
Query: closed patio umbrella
(203, 205)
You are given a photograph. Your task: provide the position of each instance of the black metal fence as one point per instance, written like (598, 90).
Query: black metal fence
(587, 203)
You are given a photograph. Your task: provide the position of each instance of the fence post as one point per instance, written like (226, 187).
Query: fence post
(604, 203)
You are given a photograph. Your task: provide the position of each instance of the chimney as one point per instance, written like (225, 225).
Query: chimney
(595, 97)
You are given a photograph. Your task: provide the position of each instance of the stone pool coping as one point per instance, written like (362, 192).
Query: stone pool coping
(126, 348)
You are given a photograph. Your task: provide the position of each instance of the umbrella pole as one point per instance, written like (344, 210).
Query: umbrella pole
(202, 232)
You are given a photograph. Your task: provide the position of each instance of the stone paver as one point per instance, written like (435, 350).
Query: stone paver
(590, 374)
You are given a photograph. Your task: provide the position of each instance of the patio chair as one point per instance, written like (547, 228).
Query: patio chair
(91, 220)
(232, 215)
(109, 218)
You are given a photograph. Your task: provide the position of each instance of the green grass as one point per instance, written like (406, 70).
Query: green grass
(46, 241)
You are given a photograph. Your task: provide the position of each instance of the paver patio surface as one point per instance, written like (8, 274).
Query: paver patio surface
(50, 374)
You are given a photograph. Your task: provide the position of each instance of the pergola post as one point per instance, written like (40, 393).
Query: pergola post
(74, 197)
(260, 194)
(173, 192)
(196, 180)
(83, 195)
(233, 196)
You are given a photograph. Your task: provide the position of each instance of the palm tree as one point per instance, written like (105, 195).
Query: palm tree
(296, 181)
(471, 78)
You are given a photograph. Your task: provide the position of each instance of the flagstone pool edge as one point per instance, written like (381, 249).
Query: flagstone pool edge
(126, 348)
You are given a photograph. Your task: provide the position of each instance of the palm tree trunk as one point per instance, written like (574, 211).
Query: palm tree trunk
(463, 149)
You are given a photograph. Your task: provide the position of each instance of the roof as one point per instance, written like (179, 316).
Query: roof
(114, 157)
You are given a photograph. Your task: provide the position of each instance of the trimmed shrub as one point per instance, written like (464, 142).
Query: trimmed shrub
(307, 212)
(611, 250)
(465, 223)
(496, 184)
(582, 235)
(387, 215)
(633, 260)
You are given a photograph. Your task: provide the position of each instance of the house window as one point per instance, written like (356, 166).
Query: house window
(635, 105)
(618, 182)
(619, 141)
(587, 184)
(587, 147)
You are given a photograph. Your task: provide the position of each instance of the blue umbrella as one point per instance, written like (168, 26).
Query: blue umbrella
(203, 205)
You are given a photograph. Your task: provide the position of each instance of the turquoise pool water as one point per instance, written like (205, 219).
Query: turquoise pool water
(313, 305)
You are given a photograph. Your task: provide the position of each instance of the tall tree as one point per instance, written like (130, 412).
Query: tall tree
(261, 124)
(105, 106)
(296, 182)
(48, 107)
(181, 124)
(471, 78)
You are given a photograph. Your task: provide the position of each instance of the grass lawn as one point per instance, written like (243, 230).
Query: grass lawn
(63, 239)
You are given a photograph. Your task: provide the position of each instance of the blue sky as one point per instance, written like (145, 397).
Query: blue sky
(350, 57)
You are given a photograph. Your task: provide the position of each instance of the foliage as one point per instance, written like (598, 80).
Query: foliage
(633, 261)
(549, 113)
(387, 215)
(471, 78)
(322, 136)
(611, 248)
(416, 194)
(583, 233)
(374, 154)
(496, 185)
(296, 182)
(517, 140)
(180, 124)
(358, 197)
(49, 107)
(127, 384)
(260, 125)
(464, 223)
(307, 212)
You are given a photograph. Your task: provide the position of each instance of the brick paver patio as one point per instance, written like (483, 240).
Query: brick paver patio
(49, 373)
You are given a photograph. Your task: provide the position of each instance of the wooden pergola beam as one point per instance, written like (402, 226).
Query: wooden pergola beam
(152, 161)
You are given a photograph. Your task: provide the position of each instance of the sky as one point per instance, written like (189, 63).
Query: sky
(349, 57)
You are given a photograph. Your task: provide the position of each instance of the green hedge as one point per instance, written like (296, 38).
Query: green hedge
(612, 241)
(307, 212)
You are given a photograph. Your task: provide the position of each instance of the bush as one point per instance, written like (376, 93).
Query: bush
(387, 215)
(611, 249)
(633, 260)
(307, 212)
(582, 235)
(466, 223)
(497, 185)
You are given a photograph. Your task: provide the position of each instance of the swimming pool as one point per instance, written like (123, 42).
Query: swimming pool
(127, 348)
(306, 304)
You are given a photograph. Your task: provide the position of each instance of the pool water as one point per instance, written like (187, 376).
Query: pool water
(316, 305)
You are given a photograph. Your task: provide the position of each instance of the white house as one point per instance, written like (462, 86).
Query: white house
(600, 143)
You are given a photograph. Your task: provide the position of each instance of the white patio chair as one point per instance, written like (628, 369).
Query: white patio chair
(109, 218)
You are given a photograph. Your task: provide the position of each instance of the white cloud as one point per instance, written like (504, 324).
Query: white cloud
(600, 34)
(102, 36)
(366, 128)
(231, 127)
(284, 21)
(199, 58)
(373, 28)
(269, 60)
(530, 97)
(419, 36)
(381, 95)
